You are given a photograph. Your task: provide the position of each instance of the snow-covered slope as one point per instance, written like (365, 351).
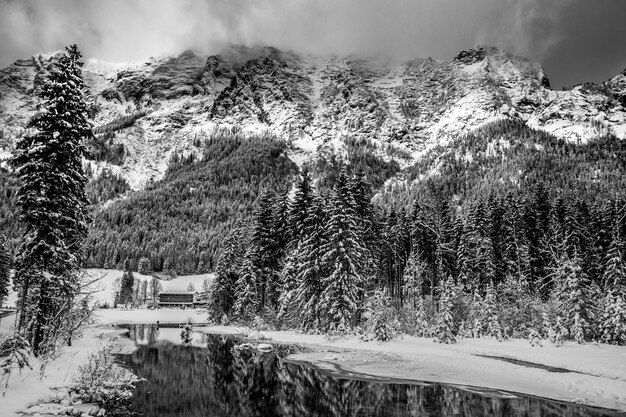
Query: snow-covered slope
(314, 100)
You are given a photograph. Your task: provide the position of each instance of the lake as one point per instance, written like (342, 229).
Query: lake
(215, 377)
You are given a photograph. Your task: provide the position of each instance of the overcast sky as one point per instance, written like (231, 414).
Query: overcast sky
(575, 40)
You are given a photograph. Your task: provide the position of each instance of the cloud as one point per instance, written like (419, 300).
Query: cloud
(531, 28)
(123, 30)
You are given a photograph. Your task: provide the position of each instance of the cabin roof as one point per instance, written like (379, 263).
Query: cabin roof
(177, 292)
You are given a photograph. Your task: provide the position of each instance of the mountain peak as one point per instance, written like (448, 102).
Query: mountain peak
(477, 54)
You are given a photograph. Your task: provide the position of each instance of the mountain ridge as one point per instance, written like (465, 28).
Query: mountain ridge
(160, 107)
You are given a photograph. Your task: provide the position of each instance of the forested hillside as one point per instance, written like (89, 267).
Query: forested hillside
(179, 223)
(509, 156)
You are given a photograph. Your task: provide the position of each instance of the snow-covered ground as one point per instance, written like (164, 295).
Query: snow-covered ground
(28, 387)
(142, 316)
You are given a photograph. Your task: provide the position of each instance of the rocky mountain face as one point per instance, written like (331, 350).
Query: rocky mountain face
(167, 104)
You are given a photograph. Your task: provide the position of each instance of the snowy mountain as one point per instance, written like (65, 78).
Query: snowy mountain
(167, 104)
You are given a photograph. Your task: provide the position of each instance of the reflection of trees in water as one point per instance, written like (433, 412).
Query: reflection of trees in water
(222, 381)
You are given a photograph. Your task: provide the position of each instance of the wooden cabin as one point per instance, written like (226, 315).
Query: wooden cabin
(177, 299)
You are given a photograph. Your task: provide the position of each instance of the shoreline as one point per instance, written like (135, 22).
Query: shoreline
(596, 372)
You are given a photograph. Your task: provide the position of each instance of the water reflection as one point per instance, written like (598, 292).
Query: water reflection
(219, 380)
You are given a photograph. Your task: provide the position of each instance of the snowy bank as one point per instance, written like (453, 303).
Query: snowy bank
(143, 316)
(29, 388)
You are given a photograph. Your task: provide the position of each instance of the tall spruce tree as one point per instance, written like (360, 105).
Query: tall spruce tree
(267, 250)
(247, 298)
(127, 285)
(309, 267)
(345, 258)
(571, 295)
(614, 277)
(222, 294)
(445, 322)
(299, 208)
(52, 201)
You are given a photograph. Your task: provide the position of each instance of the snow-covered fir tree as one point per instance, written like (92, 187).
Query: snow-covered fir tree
(491, 314)
(286, 301)
(299, 208)
(247, 297)
(382, 323)
(614, 276)
(144, 266)
(267, 250)
(444, 332)
(51, 199)
(613, 319)
(413, 279)
(127, 284)
(361, 193)
(155, 289)
(222, 295)
(345, 258)
(309, 268)
(570, 292)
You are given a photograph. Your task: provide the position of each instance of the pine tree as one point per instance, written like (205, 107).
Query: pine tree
(247, 299)
(493, 322)
(144, 292)
(222, 295)
(5, 264)
(571, 296)
(413, 279)
(144, 266)
(136, 292)
(361, 192)
(613, 320)
(614, 276)
(309, 268)
(444, 332)
(52, 201)
(128, 281)
(265, 245)
(155, 288)
(299, 208)
(516, 252)
(286, 305)
(345, 258)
